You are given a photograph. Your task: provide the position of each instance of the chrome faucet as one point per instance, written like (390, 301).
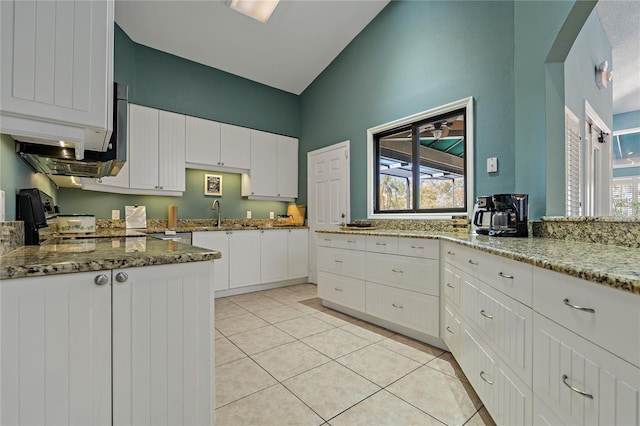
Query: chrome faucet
(213, 207)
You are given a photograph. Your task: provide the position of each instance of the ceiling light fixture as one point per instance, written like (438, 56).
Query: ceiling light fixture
(260, 10)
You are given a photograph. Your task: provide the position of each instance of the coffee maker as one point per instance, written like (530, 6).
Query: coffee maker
(510, 216)
(35, 208)
(482, 214)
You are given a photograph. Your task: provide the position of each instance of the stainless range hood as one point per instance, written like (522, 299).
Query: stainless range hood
(61, 161)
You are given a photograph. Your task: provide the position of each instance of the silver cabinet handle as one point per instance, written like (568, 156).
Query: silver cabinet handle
(450, 253)
(485, 314)
(449, 330)
(473, 262)
(351, 241)
(337, 289)
(338, 261)
(398, 271)
(580, 308)
(564, 380)
(121, 277)
(417, 247)
(381, 244)
(449, 285)
(484, 378)
(101, 279)
(327, 239)
(397, 306)
(503, 275)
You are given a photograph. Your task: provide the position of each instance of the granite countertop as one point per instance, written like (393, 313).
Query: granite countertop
(609, 265)
(67, 255)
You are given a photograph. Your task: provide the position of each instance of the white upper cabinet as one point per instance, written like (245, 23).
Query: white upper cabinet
(217, 146)
(156, 149)
(203, 141)
(57, 70)
(274, 167)
(235, 147)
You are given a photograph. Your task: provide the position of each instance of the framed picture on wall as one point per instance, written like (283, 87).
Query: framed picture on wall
(212, 185)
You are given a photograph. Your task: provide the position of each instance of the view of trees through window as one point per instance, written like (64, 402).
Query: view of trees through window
(431, 152)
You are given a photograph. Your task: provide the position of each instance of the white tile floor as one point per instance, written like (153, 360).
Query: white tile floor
(284, 359)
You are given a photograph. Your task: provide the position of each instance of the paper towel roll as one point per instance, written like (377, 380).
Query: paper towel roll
(172, 223)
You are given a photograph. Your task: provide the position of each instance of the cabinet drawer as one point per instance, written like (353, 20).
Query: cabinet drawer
(418, 311)
(449, 252)
(614, 323)
(504, 323)
(388, 245)
(409, 273)
(344, 241)
(562, 359)
(509, 276)
(452, 282)
(348, 263)
(419, 247)
(451, 334)
(344, 291)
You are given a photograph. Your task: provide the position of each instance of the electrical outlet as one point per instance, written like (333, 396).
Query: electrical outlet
(248, 214)
(272, 215)
(115, 214)
(492, 165)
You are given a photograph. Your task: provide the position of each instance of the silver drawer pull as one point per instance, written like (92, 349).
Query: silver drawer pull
(351, 241)
(450, 253)
(338, 261)
(484, 378)
(564, 380)
(449, 330)
(449, 285)
(580, 308)
(381, 244)
(397, 306)
(398, 271)
(327, 239)
(417, 247)
(486, 315)
(503, 275)
(337, 289)
(473, 262)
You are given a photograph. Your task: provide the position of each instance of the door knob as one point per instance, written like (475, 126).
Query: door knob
(121, 277)
(101, 279)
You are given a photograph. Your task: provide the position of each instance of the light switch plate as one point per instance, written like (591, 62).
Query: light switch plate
(115, 214)
(492, 165)
(272, 215)
(248, 214)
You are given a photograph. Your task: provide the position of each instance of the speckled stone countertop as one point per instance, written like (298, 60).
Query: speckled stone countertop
(613, 266)
(64, 255)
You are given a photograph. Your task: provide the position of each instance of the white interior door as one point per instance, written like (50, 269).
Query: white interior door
(327, 193)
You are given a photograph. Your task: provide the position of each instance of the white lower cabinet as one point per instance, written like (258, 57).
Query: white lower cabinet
(56, 350)
(396, 280)
(297, 253)
(256, 257)
(162, 345)
(273, 255)
(345, 291)
(451, 333)
(507, 398)
(129, 346)
(580, 382)
(219, 241)
(407, 308)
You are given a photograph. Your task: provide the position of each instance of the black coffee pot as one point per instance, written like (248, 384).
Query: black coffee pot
(511, 215)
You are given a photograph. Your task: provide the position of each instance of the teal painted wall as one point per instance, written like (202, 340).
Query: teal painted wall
(536, 25)
(192, 205)
(626, 171)
(412, 57)
(16, 174)
(626, 120)
(161, 80)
